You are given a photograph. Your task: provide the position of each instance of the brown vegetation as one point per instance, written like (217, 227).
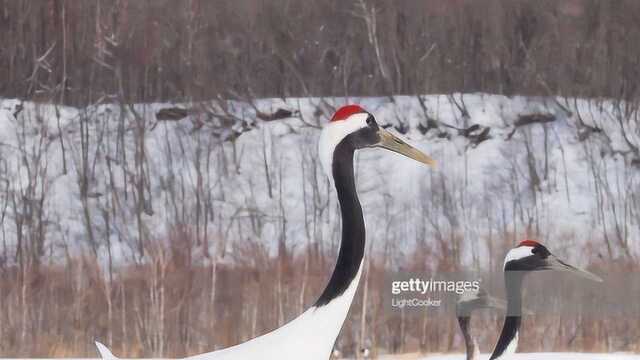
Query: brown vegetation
(173, 307)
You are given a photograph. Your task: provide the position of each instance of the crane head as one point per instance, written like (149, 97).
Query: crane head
(355, 128)
(531, 255)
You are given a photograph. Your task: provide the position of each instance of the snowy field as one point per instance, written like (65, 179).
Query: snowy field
(527, 356)
(548, 176)
(523, 356)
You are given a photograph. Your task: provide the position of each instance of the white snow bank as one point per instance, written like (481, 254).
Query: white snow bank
(559, 181)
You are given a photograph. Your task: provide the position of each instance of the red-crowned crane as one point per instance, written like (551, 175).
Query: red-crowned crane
(311, 336)
(528, 256)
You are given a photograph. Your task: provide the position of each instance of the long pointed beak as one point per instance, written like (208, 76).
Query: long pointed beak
(553, 263)
(499, 304)
(391, 142)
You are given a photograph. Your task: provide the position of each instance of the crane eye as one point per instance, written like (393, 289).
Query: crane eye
(541, 251)
(370, 120)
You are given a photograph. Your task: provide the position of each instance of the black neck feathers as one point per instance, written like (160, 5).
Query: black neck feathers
(513, 283)
(353, 233)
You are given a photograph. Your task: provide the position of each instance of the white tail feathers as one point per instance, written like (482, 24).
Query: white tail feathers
(105, 353)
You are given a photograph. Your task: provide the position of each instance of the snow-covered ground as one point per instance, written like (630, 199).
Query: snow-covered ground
(532, 356)
(522, 356)
(573, 180)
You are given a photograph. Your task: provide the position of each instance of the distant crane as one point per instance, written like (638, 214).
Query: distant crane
(528, 256)
(468, 302)
(311, 336)
(365, 353)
